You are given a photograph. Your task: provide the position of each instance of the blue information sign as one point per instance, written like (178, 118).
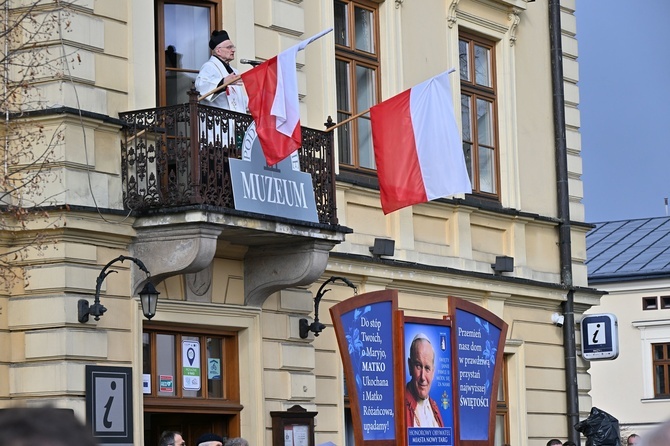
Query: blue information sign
(369, 336)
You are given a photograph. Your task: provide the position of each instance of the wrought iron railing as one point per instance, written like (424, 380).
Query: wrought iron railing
(178, 156)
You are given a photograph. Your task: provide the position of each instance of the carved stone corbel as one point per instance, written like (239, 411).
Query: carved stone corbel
(451, 15)
(268, 269)
(515, 18)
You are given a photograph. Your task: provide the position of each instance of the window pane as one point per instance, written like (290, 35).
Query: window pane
(194, 393)
(486, 169)
(177, 85)
(660, 380)
(658, 351)
(467, 151)
(482, 66)
(187, 30)
(500, 430)
(466, 117)
(364, 30)
(484, 122)
(146, 353)
(365, 151)
(343, 84)
(341, 20)
(214, 368)
(464, 59)
(365, 88)
(165, 364)
(344, 141)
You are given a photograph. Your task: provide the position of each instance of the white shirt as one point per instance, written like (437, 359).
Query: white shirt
(424, 414)
(233, 98)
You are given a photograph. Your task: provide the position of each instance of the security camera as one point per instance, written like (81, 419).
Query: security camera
(557, 319)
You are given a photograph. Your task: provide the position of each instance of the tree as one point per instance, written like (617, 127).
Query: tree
(32, 53)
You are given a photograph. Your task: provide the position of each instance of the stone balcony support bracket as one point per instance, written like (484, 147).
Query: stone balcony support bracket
(272, 268)
(173, 250)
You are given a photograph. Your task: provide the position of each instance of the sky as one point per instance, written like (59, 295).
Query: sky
(624, 88)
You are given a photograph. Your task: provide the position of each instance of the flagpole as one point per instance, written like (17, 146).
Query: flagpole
(351, 118)
(217, 89)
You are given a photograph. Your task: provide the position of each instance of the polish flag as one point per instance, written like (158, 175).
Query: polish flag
(418, 147)
(273, 102)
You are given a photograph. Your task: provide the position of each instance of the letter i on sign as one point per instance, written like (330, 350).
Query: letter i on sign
(596, 334)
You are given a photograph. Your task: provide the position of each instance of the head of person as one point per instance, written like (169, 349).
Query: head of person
(171, 438)
(221, 46)
(421, 364)
(35, 426)
(632, 440)
(209, 440)
(554, 442)
(569, 443)
(237, 441)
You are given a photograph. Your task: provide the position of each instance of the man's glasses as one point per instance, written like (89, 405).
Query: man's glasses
(229, 47)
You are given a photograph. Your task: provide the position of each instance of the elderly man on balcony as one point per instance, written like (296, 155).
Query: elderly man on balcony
(217, 71)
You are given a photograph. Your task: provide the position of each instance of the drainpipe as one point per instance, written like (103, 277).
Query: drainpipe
(565, 251)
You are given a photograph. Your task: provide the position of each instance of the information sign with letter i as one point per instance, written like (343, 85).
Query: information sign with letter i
(600, 337)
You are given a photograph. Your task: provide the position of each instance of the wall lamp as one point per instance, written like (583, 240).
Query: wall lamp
(504, 264)
(148, 295)
(317, 327)
(382, 247)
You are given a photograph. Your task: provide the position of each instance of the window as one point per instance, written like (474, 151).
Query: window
(661, 366)
(650, 303)
(183, 29)
(357, 78)
(195, 367)
(479, 113)
(665, 302)
(502, 411)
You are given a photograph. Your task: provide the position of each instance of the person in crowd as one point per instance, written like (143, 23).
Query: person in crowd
(39, 426)
(554, 442)
(632, 440)
(209, 440)
(420, 409)
(171, 438)
(217, 71)
(237, 441)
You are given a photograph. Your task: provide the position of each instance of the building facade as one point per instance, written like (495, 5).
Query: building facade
(629, 260)
(141, 170)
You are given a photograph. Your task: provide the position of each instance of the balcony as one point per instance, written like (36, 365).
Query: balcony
(178, 156)
(179, 182)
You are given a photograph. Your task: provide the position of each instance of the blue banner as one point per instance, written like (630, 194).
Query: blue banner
(369, 336)
(429, 412)
(476, 350)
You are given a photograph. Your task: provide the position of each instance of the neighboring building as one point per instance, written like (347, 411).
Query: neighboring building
(630, 259)
(139, 175)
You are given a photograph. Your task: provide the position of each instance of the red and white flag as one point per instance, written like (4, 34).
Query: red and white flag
(273, 102)
(418, 147)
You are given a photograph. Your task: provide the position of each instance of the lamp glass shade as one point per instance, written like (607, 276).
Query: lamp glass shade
(149, 300)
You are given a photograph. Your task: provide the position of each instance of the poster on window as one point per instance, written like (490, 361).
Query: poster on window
(190, 358)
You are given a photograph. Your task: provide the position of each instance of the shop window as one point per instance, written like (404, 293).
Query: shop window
(190, 366)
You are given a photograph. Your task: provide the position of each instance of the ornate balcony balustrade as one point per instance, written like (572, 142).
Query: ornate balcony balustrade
(177, 156)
